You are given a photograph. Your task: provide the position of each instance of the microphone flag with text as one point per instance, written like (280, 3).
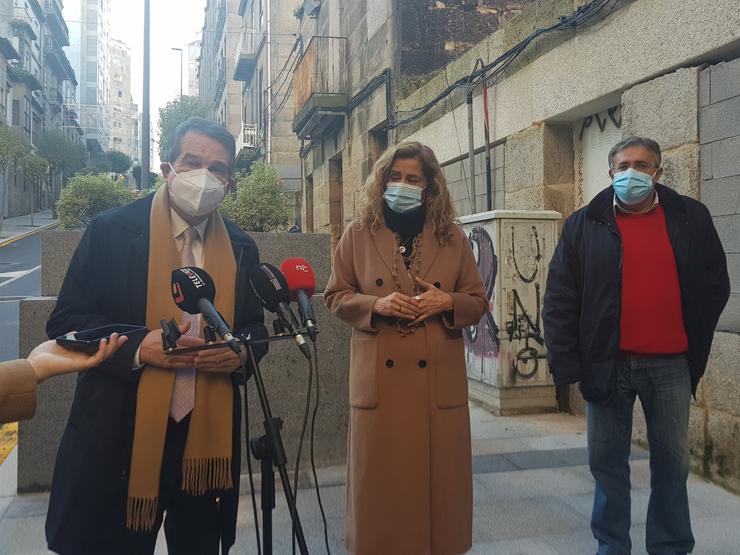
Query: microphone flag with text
(271, 288)
(301, 283)
(194, 292)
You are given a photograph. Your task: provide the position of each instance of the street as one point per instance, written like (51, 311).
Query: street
(20, 277)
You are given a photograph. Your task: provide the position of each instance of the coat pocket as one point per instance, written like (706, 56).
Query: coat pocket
(363, 373)
(450, 376)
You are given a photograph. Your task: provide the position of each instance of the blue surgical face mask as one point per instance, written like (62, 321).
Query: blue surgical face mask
(401, 197)
(631, 186)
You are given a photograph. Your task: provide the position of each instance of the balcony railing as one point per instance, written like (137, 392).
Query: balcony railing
(22, 18)
(320, 85)
(248, 138)
(56, 22)
(247, 52)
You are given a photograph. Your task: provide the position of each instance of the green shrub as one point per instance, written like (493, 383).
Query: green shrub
(260, 203)
(88, 195)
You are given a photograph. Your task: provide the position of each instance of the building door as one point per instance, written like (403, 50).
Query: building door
(595, 137)
(336, 198)
(308, 226)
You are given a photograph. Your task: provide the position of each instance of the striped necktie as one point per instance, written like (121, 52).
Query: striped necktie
(183, 391)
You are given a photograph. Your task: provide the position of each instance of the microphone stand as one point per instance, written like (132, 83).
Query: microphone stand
(270, 451)
(268, 448)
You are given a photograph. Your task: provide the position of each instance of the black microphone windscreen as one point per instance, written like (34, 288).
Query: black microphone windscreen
(270, 286)
(190, 285)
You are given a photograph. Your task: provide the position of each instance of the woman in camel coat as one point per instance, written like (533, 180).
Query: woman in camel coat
(405, 279)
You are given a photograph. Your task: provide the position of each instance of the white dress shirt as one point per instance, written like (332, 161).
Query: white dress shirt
(178, 233)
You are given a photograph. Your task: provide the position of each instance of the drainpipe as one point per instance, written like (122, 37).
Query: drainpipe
(268, 134)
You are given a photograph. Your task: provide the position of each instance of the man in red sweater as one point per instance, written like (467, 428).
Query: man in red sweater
(634, 292)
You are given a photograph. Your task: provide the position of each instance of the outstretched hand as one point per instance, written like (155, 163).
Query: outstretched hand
(51, 359)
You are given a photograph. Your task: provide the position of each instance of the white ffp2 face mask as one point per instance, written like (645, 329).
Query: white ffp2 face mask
(196, 192)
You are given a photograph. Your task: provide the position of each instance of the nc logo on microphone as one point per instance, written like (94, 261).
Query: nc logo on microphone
(302, 267)
(177, 293)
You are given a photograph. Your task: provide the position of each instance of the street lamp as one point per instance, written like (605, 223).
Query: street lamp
(180, 51)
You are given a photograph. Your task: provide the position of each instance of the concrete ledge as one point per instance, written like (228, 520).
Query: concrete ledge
(513, 401)
(57, 248)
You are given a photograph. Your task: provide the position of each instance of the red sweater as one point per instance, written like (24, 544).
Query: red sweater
(652, 314)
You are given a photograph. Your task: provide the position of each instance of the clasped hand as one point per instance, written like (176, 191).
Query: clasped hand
(215, 360)
(431, 302)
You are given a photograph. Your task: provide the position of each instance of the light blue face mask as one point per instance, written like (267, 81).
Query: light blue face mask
(631, 186)
(401, 197)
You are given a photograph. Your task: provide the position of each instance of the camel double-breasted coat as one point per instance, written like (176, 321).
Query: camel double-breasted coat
(409, 485)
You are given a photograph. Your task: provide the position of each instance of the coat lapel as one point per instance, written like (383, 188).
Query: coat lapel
(429, 250)
(385, 244)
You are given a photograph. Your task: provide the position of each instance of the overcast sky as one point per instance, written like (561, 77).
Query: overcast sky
(174, 23)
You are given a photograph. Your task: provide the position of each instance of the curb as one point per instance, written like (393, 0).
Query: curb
(27, 234)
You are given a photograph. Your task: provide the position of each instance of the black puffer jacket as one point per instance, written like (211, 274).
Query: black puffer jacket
(582, 303)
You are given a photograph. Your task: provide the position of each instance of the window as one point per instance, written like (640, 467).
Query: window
(16, 117)
(4, 87)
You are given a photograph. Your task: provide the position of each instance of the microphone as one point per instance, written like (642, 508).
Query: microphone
(271, 288)
(193, 291)
(301, 282)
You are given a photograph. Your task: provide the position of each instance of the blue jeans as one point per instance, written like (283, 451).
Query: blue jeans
(664, 387)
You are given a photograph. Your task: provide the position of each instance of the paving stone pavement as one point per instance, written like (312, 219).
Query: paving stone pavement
(532, 496)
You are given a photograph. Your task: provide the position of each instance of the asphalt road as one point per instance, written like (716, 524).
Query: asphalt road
(20, 277)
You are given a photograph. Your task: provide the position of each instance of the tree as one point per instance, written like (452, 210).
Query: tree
(65, 157)
(260, 203)
(35, 170)
(173, 114)
(13, 147)
(88, 195)
(98, 164)
(119, 162)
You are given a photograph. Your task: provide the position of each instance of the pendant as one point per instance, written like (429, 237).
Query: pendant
(402, 249)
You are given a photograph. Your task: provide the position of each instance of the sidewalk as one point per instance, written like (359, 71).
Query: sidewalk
(20, 226)
(532, 496)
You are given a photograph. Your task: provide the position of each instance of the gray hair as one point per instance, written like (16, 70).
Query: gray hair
(644, 142)
(214, 130)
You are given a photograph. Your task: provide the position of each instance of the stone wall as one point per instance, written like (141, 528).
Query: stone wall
(719, 131)
(284, 370)
(695, 115)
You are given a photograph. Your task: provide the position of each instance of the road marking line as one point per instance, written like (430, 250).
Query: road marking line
(22, 275)
(8, 439)
(11, 274)
(28, 234)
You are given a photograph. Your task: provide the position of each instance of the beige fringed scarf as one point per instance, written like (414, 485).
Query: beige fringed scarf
(206, 463)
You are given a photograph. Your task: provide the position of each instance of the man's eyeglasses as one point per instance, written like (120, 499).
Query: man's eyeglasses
(639, 166)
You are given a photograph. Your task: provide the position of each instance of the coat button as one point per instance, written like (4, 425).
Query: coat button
(389, 363)
(437, 284)
(422, 363)
(378, 282)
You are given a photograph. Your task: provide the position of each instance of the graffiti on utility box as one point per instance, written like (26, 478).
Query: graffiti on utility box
(506, 348)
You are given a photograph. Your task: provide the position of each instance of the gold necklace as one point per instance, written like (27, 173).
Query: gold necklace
(412, 271)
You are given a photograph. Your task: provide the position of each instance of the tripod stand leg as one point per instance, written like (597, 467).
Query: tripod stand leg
(268, 500)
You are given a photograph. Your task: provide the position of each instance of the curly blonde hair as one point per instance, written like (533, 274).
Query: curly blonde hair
(439, 211)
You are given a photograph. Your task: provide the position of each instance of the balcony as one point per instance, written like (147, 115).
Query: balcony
(247, 54)
(320, 86)
(55, 21)
(19, 74)
(58, 59)
(54, 98)
(8, 50)
(22, 20)
(248, 138)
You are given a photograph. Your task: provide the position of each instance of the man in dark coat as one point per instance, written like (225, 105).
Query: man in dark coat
(635, 289)
(107, 283)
